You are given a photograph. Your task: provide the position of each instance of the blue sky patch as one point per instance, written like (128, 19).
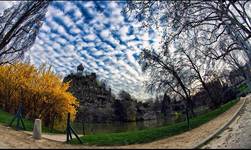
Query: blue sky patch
(98, 35)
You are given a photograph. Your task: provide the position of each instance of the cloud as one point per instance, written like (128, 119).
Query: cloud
(6, 4)
(97, 35)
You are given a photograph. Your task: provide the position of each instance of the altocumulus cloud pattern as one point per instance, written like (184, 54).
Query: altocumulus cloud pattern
(98, 35)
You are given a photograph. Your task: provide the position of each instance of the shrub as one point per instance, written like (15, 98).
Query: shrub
(41, 92)
(178, 116)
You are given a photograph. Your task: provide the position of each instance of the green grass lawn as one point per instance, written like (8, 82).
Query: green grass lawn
(243, 89)
(151, 134)
(5, 119)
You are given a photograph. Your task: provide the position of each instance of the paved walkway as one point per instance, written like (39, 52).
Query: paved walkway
(238, 134)
(191, 138)
(16, 139)
(54, 137)
(10, 138)
(3, 145)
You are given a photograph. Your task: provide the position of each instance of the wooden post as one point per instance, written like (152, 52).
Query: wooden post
(83, 127)
(18, 116)
(70, 130)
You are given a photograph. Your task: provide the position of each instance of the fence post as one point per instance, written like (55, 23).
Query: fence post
(18, 116)
(70, 130)
(83, 127)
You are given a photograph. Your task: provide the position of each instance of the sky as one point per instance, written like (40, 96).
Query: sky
(99, 36)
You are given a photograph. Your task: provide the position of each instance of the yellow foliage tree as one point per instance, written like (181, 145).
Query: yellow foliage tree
(41, 92)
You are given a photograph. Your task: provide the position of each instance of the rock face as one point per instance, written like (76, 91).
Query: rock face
(96, 100)
(147, 111)
(98, 104)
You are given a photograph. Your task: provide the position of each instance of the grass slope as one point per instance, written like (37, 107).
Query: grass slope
(5, 119)
(151, 134)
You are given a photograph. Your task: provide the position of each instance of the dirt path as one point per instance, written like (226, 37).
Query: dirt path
(16, 139)
(238, 134)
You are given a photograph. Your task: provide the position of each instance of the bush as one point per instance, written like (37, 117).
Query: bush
(178, 116)
(41, 92)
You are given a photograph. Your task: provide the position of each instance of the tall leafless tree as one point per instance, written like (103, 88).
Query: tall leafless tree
(19, 26)
(168, 74)
(238, 61)
(210, 19)
(215, 28)
(197, 63)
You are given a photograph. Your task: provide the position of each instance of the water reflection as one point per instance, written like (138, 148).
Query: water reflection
(115, 127)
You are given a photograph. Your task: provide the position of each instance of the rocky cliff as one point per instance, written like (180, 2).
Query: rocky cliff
(96, 100)
(98, 104)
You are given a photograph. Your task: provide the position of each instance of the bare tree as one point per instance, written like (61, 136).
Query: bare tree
(210, 19)
(197, 63)
(19, 27)
(238, 61)
(168, 74)
(214, 28)
(235, 59)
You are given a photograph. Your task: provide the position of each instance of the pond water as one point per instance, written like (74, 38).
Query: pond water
(114, 127)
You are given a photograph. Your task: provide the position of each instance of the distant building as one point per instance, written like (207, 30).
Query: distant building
(80, 70)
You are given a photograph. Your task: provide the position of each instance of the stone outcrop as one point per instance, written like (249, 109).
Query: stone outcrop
(98, 104)
(95, 98)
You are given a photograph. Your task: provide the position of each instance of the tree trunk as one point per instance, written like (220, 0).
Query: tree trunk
(191, 105)
(187, 116)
